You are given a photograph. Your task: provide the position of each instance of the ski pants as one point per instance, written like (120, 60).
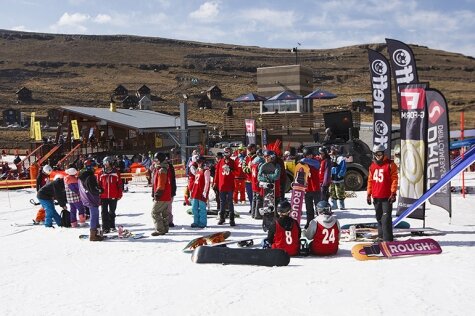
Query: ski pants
(249, 193)
(324, 193)
(51, 213)
(337, 190)
(170, 212)
(383, 210)
(94, 219)
(239, 189)
(226, 200)
(199, 212)
(311, 201)
(74, 208)
(108, 207)
(257, 204)
(160, 216)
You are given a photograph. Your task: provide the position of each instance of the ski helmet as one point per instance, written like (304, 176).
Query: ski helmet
(159, 156)
(323, 150)
(107, 159)
(307, 151)
(378, 148)
(283, 206)
(323, 207)
(47, 169)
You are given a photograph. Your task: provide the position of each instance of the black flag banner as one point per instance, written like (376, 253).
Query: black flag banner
(412, 177)
(438, 159)
(403, 64)
(382, 102)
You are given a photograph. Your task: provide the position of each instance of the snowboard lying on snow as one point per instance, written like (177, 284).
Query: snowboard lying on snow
(245, 256)
(125, 236)
(392, 249)
(401, 224)
(207, 240)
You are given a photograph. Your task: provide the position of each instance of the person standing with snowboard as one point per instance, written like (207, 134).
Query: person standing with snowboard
(284, 232)
(323, 232)
(199, 194)
(381, 188)
(110, 181)
(325, 174)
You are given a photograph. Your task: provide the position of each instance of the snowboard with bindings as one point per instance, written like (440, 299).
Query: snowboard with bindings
(372, 233)
(402, 224)
(241, 243)
(299, 186)
(243, 256)
(207, 240)
(126, 235)
(268, 196)
(392, 249)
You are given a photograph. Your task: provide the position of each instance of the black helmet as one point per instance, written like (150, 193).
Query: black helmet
(323, 150)
(323, 207)
(160, 156)
(283, 206)
(259, 152)
(307, 151)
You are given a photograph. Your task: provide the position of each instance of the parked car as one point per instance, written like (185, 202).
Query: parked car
(358, 159)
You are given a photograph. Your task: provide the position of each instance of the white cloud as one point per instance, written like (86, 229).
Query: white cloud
(103, 18)
(74, 19)
(268, 17)
(206, 12)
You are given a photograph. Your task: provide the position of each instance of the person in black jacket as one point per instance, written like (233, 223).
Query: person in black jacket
(46, 196)
(173, 185)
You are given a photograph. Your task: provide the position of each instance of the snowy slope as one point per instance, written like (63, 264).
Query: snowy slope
(52, 272)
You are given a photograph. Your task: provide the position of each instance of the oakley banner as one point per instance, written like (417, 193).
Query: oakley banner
(382, 102)
(438, 151)
(412, 172)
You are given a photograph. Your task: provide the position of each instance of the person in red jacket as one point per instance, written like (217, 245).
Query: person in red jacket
(325, 174)
(312, 194)
(199, 194)
(284, 232)
(110, 181)
(240, 177)
(382, 187)
(161, 193)
(224, 181)
(323, 232)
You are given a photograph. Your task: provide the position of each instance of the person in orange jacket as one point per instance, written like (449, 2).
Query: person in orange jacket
(382, 187)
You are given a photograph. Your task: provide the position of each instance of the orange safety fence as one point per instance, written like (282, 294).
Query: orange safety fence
(11, 184)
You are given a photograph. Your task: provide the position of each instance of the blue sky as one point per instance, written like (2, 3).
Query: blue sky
(439, 24)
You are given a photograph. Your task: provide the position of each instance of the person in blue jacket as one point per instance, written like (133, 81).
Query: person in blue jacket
(338, 171)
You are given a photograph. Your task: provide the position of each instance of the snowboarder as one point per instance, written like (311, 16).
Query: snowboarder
(323, 232)
(110, 181)
(89, 191)
(382, 187)
(338, 171)
(224, 180)
(161, 193)
(46, 196)
(284, 232)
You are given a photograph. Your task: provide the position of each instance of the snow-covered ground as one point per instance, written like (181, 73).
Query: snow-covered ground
(51, 272)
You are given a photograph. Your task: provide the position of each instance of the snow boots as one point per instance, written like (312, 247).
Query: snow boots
(334, 206)
(94, 236)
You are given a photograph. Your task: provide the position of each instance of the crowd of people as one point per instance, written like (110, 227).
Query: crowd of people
(235, 177)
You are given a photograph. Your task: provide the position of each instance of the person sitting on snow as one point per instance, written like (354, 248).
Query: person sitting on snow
(323, 232)
(284, 232)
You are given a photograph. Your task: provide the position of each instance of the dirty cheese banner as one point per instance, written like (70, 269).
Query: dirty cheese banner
(438, 159)
(250, 131)
(382, 102)
(412, 175)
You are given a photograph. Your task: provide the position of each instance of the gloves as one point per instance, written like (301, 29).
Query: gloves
(392, 198)
(368, 199)
(158, 194)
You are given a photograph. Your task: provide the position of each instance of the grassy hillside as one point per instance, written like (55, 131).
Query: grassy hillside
(83, 70)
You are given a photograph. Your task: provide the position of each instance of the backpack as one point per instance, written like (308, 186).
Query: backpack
(65, 218)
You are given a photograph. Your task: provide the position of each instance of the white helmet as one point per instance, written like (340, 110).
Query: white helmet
(378, 148)
(47, 169)
(71, 171)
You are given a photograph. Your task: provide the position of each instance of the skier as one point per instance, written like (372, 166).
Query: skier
(323, 232)
(46, 196)
(161, 193)
(71, 187)
(382, 186)
(312, 194)
(224, 180)
(110, 181)
(338, 171)
(199, 194)
(325, 173)
(284, 232)
(89, 191)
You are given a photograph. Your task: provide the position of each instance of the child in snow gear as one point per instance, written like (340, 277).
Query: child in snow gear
(199, 194)
(161, 193)
(338, 171)
(46, 196)
(71, 187)
(42, 180)
(323, 232)
(110, 181)
(382, 186)
(284, 232)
